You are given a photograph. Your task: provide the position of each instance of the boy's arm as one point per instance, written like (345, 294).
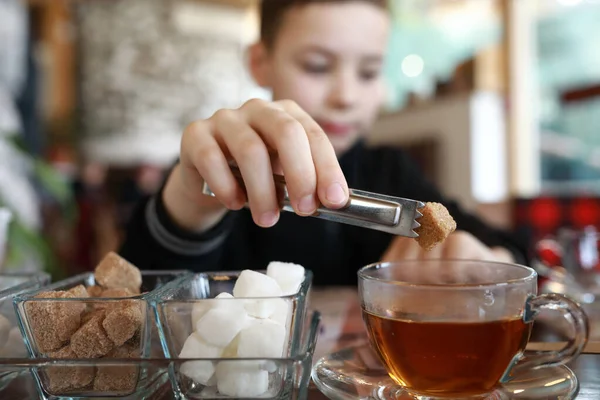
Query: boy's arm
(153, 239)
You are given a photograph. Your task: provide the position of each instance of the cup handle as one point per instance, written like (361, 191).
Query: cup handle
(573, 313)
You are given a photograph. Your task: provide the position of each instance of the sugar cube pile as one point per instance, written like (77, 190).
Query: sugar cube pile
(253, 322)
(82, 328)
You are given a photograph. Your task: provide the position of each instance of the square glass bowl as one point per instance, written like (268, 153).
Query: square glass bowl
(175, 305)
(70, 328)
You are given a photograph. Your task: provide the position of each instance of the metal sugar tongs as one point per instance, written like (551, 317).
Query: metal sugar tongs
(389, 214)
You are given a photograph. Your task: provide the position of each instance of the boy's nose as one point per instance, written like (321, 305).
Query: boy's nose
(344, 92)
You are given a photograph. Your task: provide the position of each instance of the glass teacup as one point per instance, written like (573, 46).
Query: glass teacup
(457, 328)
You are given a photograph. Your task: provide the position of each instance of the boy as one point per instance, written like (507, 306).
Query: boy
(323, 61)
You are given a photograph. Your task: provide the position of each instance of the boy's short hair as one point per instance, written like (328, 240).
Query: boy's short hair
(273, 11)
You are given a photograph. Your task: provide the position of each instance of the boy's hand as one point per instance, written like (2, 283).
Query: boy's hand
(459, 245)
(262, 138)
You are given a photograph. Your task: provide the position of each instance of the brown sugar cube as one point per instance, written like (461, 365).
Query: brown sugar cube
(120, 379)
(436, 225)
(61, 379)
(114, 272)
(91, 341)
(112, 293)
(79, 292)
(122, 323)
(53, 322)
(91, 314)
(95, 291)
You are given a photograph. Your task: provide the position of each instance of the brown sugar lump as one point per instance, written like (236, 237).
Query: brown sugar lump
(67, 378)
(118, 378)
(111, 294)
(121, 323)
(436, 225)
(79, 292)
(95, 291)
(114, 272)
(53, 322)
(91, 341)
(91, 314)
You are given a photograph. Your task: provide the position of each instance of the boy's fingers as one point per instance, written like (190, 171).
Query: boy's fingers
(252, 157)
(286, 135)
(332, 188)
(203, 159)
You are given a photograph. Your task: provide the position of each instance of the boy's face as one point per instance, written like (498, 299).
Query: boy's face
(328, 58)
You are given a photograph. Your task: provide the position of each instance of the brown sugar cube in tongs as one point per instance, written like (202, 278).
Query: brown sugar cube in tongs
(53, 322)
(436, 225)
(114, 272)
(67, 378)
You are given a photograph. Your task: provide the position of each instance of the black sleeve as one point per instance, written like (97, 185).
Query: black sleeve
(153, 241)
(409, 182)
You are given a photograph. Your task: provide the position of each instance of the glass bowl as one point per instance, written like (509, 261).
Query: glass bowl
(88, 328)
(175, 305)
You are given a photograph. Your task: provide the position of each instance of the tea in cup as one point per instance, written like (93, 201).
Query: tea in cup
(456, 328)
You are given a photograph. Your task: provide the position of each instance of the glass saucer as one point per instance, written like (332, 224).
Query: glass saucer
(355, 373)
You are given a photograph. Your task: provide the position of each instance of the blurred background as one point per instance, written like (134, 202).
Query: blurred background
(498, 100)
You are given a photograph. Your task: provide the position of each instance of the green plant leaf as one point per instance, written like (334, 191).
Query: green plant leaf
(53, 182)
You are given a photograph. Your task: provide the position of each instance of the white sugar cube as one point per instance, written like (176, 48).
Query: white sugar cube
(201, 307)
(262, 338)
(260, 308)
(199, 371)
(289, 276)
(232, 348)
(219, 326)
(241, 379)
(282, 311)
(196, 347)
(254, 284)
(5, 326)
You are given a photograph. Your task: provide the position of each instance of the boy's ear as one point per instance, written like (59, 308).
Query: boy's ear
(258, 59)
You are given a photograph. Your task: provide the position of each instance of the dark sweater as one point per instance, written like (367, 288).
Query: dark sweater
(334, 252)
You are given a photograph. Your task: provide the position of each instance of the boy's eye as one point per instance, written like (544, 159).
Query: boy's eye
(316, 68)
(368, 75)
